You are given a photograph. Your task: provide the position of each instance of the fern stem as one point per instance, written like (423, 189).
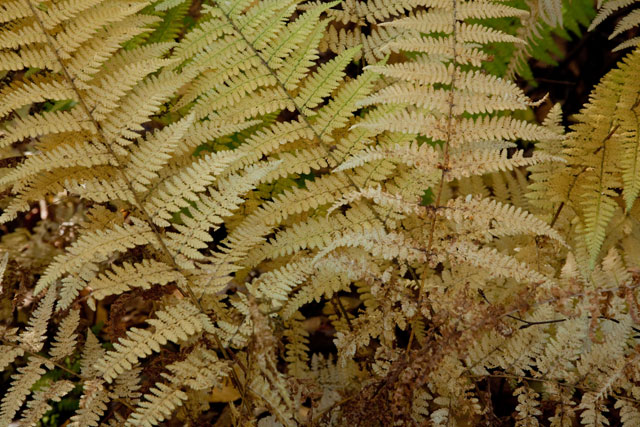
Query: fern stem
(339, 309)
(445, 156)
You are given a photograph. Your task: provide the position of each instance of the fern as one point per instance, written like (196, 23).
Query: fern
(597, 148)
(629, 21)
(252, 175)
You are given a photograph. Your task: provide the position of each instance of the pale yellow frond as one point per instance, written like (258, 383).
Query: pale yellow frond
(476, 33)
(3, 267)
(380, 244)
(8, 354)
(65, 10)
(275, 286)
(91, 353)
(38, 89)
(173, 323)
(629, 413)
(415, 155)
(23, 381)
(176, 191)
(153, 152)
(15, 9)
(64, 343)
(440, 47)
(316, 233)
(208, 213)
(599, 206)
(39, 406)
(395, 202)
(478, 162)
(324, 81)
(438, 100)
(46, 123)
(339, 109)
(528, 407)
(496, 219)
(93, 247)
(93, 404)
(128, 276)
(159, 403)
(33, 337)
(606, 8)
(200, 370)
(498, 264)
(84, 154)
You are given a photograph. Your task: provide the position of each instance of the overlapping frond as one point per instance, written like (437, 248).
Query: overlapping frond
(631, 20)
(256, 174)
(174, 324)
(602, 151)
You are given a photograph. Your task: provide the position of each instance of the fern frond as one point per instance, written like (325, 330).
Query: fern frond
(3, 268)
(629, 21)
(127, 385)
(379, 243)
(324, 81)
(201, 370)
(8, 354)
(93, 248)
(91, 353)
(415, 155)
(174, 324)
(593, 410)
(128, 276)
(629, 414)
(175, 192)
(33, 337)
(544, 188)
(93, 404)
(275, 285)
(501, 265)
(38, 406)
(469, 163)
(65, 340)
(297, 346)
(158, 405)
(20, 388)
(527, 406)
(596, 148)
(209, 211)
(496, 218)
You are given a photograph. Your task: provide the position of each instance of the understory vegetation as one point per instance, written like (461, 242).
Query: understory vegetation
(302, 212)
